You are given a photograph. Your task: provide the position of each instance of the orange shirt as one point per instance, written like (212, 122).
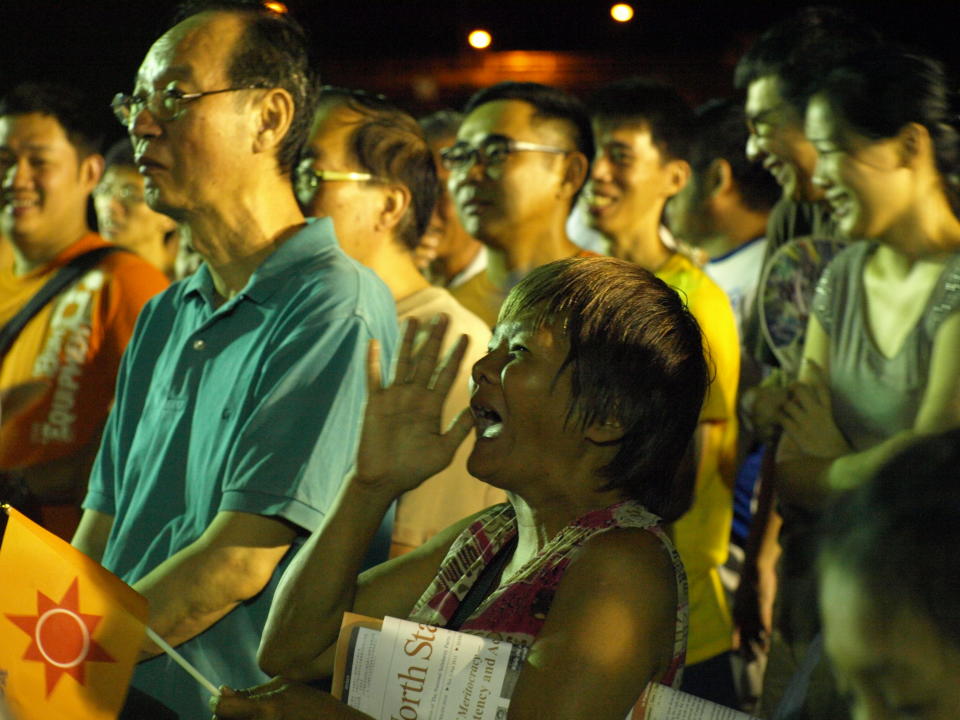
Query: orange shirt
(74, 343)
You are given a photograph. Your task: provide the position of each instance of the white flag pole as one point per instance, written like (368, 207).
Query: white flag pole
(182, 661)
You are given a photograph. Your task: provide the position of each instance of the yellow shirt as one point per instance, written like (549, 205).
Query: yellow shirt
(702, 536)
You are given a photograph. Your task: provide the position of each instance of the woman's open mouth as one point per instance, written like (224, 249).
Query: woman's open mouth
(488, 422)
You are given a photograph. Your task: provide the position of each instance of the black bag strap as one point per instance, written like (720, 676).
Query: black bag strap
(68, 274)
(483, 585)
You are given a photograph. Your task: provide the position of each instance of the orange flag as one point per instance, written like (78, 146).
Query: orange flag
(70, 630)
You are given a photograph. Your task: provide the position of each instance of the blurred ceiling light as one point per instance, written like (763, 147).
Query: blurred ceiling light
(277, 7)
(621, 12)
(479, 39)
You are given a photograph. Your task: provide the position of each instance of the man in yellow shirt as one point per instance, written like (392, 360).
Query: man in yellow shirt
(641, 129)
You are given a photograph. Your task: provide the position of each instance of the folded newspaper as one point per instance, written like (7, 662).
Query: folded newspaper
(401, 670)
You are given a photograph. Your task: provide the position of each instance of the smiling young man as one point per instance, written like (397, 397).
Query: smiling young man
(778, 72)
(240, 396)
(49, 163)
(641, 130)
(520, 159)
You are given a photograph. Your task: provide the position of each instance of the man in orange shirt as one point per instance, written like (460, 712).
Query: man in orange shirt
(69, 352)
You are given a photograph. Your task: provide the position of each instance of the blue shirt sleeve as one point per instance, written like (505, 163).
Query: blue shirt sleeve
(296, 445)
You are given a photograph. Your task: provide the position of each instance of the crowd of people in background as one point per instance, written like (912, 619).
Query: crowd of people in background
(677, 383)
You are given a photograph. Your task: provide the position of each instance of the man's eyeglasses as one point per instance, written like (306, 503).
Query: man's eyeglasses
(307, 180)
(490, 153)
(167, 105)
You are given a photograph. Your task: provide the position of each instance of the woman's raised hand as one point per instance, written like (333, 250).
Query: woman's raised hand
(403, 440)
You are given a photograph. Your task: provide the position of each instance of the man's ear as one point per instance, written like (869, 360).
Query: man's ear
(677, 176)
(719, 178)
(274, 119)
(90, 171)
(575, 173)
(604, 432)
(915, 143)
(396, 202)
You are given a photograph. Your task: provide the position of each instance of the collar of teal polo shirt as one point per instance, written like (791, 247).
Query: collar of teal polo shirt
(274, 271)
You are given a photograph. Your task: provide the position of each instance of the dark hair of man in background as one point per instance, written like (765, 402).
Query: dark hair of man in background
(441, 124)
(68, 105)
(720, 131)
(120, 153)
(800, 49)
(649, 102)
(551, 104)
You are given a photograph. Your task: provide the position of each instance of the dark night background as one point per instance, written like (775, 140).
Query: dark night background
(416, 52)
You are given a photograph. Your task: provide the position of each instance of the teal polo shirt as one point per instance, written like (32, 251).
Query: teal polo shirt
(252, 406)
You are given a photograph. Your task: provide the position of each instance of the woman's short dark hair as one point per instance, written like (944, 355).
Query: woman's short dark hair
(876, 94)
(899, 534)
(636, 357)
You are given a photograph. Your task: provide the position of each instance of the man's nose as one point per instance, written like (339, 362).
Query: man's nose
(487, 368)
(18, 175)
(819, 178)
(142, 123)
(470, 175)
(753, 150)
(474, 169)
(600, 169)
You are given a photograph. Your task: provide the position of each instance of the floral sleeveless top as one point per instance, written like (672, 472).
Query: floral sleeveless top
(516, 612)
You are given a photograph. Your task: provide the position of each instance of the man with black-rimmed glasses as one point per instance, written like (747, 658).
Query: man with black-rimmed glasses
(241, 393)
(519, 161)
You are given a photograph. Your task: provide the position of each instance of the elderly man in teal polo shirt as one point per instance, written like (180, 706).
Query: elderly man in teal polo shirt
(240, 396)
